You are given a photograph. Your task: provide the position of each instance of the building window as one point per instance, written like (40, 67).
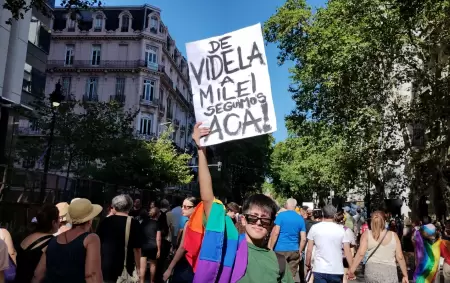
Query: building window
(154, 24)
(125, 23)
(71, 25)
(91, 88)
(98, 23)
(96, 50)
(161, 95)
(148, 90)
(161, 28)
(66, 84)
(151, 57)
(169, 108)
(38, 34)
(68, 60)
(26, 84)
(145, 127)
(120, 86)
(33, 80)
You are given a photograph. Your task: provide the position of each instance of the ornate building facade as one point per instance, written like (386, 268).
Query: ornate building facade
(124, 54)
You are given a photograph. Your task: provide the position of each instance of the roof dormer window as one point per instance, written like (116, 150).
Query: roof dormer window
(125, 23)
(154, 24)
(98, 23)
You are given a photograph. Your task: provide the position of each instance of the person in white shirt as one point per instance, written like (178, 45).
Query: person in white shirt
(328, 238)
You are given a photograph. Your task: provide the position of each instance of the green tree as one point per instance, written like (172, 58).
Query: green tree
(353, 62)
(18, 8)
(303, 165)
(147, 165)
(96, 141)
(245, 166)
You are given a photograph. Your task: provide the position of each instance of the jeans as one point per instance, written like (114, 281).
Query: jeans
(328, 278)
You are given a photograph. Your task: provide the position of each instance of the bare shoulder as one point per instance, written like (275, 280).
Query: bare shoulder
(91, 239)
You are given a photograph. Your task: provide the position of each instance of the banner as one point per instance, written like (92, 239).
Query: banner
(231, 85)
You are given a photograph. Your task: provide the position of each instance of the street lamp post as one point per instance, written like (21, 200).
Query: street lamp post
(55, 99)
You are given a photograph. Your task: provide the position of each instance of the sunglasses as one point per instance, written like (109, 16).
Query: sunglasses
(187, 206)
(253, 220)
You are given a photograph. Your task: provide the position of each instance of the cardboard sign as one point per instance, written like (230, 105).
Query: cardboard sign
(231, 85)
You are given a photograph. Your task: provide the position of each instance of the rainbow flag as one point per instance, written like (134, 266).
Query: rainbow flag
(427, 258)
(216, 252)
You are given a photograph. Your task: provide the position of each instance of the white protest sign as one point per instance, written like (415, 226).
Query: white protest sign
(231, 85)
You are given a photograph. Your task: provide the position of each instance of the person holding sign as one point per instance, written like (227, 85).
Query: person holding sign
(231, 85)
(246, 257)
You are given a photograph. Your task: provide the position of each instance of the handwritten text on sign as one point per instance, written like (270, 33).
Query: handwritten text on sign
(231, 85)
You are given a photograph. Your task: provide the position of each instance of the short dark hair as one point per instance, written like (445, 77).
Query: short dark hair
(305, 207)
(262, 201)
(232, 206)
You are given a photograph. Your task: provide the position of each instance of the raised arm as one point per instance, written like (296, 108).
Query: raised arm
(204, 176)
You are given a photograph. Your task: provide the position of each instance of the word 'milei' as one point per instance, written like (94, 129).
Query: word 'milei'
(231, 85)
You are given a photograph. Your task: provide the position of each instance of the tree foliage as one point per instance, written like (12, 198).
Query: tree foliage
(245, 166)
(97, 141)
(147, 165)
(19, 8)
(371, 70)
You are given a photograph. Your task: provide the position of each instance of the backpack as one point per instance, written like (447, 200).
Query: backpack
(281, 265)
(163, 225)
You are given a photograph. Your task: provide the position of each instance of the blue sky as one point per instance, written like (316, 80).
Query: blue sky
(191, 20)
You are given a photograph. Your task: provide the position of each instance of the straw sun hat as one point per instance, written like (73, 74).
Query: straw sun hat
(63, 208)
(82, 210)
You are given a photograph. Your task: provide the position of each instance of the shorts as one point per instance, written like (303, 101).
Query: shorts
(293, 260)
(149, 253)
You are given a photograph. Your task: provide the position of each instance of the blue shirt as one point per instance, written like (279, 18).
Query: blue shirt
(183, 221)
(291, 224)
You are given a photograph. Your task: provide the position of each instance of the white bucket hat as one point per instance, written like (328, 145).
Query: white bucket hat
(82, 210)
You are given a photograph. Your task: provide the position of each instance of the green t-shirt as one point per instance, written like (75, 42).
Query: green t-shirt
(262, 267)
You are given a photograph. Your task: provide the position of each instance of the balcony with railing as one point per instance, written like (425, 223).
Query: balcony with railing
(119, 98)
(176, 122)
(183, 128)
(153, 102)
(90, 97)
(29, 131)
(145, 136)
(181, 96)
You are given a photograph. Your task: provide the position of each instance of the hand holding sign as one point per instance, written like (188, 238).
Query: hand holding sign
(231, 85)
(199, 132)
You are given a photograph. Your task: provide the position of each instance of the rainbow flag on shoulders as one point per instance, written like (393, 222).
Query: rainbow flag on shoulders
(427, 257)
(214, 249)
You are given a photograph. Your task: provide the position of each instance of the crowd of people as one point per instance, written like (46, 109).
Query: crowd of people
(202, 240)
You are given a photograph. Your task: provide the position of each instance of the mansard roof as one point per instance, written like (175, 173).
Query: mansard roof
(138, 13)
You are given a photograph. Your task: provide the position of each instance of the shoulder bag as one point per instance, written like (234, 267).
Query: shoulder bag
(126, 277)
(379, 244)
